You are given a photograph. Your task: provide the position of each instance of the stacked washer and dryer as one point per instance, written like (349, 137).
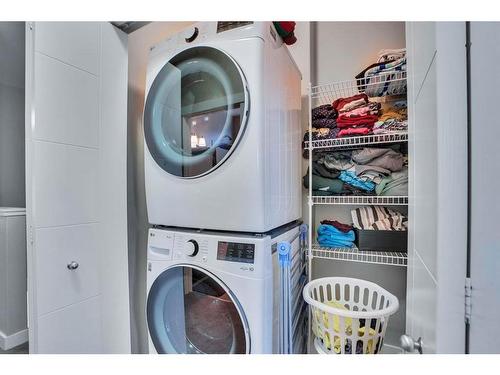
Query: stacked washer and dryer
(222, 171)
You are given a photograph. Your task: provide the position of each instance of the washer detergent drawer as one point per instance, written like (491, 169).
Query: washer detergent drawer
(68, 260)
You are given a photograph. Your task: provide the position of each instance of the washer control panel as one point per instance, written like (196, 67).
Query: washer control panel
(234, 254)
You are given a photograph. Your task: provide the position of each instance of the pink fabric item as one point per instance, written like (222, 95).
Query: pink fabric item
(365, 120)
(366, 109)
(341, 103)
(353, 131)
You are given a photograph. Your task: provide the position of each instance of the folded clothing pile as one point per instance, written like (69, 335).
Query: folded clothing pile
(357, 115)
(393, 119)
(381, 78)
(378, 218)
(366, 171)
(335, 234)
(324, 117)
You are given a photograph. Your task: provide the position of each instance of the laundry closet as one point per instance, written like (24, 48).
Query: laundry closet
(402, 262)
(72, 158)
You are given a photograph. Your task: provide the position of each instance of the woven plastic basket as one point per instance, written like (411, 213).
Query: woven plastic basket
(349, 316)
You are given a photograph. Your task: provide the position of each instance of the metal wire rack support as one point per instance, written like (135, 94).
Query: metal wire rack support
(355, 255)
(360, 200)
(293, 310)
(348, 142)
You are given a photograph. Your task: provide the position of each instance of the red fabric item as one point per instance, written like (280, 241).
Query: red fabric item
(366, 120)
(353, 131)
(340, 102)
(334, 223)
(287, 26)
(289, 40)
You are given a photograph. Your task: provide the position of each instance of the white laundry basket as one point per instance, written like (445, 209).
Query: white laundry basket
(349, 316)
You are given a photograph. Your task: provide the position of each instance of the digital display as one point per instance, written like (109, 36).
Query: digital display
(236, 252)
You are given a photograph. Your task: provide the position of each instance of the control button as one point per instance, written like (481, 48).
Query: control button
(191, 248)
(190, 35)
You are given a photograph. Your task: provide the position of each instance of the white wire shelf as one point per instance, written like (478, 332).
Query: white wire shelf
(360, 200)
(354, 255)
(387, 84)
(393, 137)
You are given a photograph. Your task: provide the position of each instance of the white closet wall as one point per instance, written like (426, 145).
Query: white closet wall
(485, 235)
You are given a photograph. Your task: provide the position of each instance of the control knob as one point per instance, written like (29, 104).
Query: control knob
(191, 34)
(191, 248)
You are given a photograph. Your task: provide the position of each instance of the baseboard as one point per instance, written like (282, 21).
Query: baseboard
(11, 341)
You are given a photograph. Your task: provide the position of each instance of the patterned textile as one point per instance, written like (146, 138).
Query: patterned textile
(324, 123)
(324, 111)
(378, 218)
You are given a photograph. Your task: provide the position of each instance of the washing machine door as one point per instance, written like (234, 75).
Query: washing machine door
(189, 311)
(196, 112)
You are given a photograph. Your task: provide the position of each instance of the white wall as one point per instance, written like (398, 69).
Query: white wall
(138, 48)
(12, 180)
(343, 49)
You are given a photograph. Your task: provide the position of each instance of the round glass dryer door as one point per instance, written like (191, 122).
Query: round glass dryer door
(190, 311)
(196, 112)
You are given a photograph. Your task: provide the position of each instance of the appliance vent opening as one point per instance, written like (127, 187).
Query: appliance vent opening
(230, 25)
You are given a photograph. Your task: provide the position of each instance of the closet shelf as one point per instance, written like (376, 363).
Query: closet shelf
(361, 200)
(393, 137)
(354, 255)
(389, 83)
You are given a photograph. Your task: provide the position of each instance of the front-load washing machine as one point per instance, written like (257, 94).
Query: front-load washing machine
(213, 292)
(222, 129)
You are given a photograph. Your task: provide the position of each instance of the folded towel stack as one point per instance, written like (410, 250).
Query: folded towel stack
(331, 236)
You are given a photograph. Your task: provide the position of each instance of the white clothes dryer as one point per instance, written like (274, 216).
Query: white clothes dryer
(212, 292)
(222, 129)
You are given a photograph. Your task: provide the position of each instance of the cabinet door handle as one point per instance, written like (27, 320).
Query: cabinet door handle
(72, 265)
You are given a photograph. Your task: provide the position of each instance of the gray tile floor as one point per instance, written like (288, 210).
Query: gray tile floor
(21, 349)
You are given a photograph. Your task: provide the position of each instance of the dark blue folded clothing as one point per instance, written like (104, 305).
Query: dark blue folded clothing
(329, 236)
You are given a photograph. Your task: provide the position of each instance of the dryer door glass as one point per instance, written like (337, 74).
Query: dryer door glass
(190, 311)
(195, 112)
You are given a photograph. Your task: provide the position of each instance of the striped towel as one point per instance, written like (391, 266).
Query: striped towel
(378, 218)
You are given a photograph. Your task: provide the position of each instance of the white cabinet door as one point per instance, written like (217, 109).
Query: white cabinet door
(438, 185)
(76, 126)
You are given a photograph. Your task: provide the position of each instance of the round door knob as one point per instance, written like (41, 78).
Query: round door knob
(72, 265)
(191, 248)
(410, 345)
